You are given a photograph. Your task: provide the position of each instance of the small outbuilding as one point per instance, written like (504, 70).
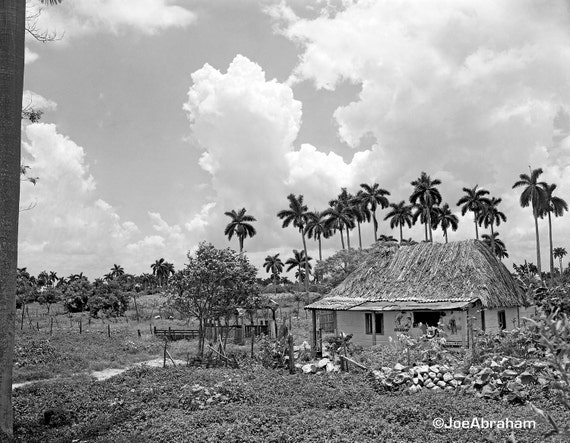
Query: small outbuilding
(405, 289)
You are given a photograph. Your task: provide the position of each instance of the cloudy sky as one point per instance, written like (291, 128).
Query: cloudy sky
(161, 115)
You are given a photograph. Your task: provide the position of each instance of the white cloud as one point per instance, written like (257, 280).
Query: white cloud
(30, 56)
(201, 220)
(467, 91)
(81, 17)
(32, 100)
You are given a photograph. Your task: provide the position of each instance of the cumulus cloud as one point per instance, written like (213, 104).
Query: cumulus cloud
(471, 92)
(32, 100)
(82, 17)
(30, 56)
(69, 228)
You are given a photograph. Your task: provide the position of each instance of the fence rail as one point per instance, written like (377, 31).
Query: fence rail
(236, 332)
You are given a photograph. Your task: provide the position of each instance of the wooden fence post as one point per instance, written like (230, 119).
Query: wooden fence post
(80, 325)
(51, 326)
(164, 362)
(109, 330)
(291, 355)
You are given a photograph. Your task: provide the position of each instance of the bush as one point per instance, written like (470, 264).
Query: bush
(77, 295)
(108, 300)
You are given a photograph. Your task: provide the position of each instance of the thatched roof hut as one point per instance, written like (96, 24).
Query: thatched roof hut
(452, 274)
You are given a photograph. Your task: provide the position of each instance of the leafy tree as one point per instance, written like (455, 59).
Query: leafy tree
(533, 195)
(559, 253)
(446, 219)
(426, 195)
(49, 296)
(372, 197)
(338, 266)
(76, 295)
(25, 288)
(496, 245)
(107, 300)
(240, 226)
(297, 215)
(212, 285)
(274, 266)
(473, 201)
(489, 216)
(400, 215)
(387, 239)
(553, 205)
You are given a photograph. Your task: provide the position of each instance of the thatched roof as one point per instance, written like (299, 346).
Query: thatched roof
(457, 272)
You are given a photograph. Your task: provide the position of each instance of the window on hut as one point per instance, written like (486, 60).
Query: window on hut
(379, 323)
(502, 318)
(326, 321)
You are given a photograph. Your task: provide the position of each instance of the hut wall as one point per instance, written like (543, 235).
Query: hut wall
(492, 319)
(353, 322)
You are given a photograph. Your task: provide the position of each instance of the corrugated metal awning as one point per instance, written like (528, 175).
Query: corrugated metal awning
(336, 303)
(411, 306)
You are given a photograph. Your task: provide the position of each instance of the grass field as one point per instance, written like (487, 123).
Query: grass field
(51, 345)
(251, 405)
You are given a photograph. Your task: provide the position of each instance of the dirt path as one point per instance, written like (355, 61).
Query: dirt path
(110, 372)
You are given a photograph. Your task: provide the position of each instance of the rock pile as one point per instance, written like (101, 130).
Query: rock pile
(506, 377)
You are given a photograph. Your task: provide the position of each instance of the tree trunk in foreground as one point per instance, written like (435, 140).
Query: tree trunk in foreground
(12, 29)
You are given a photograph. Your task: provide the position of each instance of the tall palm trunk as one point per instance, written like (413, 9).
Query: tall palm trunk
(429, 226)
(401, 234)
(560, 258)
(306, 262)
(320, 249)
(341, 237)
(12, 30)
(445, 234)
(375, 222)
(492, 240)
(538, 263)
(425, 231)
(551, 248)
(476, 228)
(359, 237)
(347, 237)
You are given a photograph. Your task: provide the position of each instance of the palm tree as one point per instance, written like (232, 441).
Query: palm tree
(445, 218)
(239, 226)
(361, 213)
(400, 215)
(557, 206)
(299, 261)
(317, 227)
(53, 278)
(162, 269)
(12, 45)
(420, 212)
(559, 253)
(426, 195)
(297, 215)
(473, 201)
(273, 265)
(340, 216)
(534, 195)
(490, 215)
(117, 271)
(496, 245)
(373, 196)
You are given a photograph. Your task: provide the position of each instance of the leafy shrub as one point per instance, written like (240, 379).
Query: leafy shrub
(77, 295)
(108, 300)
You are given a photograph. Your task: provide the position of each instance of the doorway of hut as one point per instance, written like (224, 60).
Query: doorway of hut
(429, 318)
